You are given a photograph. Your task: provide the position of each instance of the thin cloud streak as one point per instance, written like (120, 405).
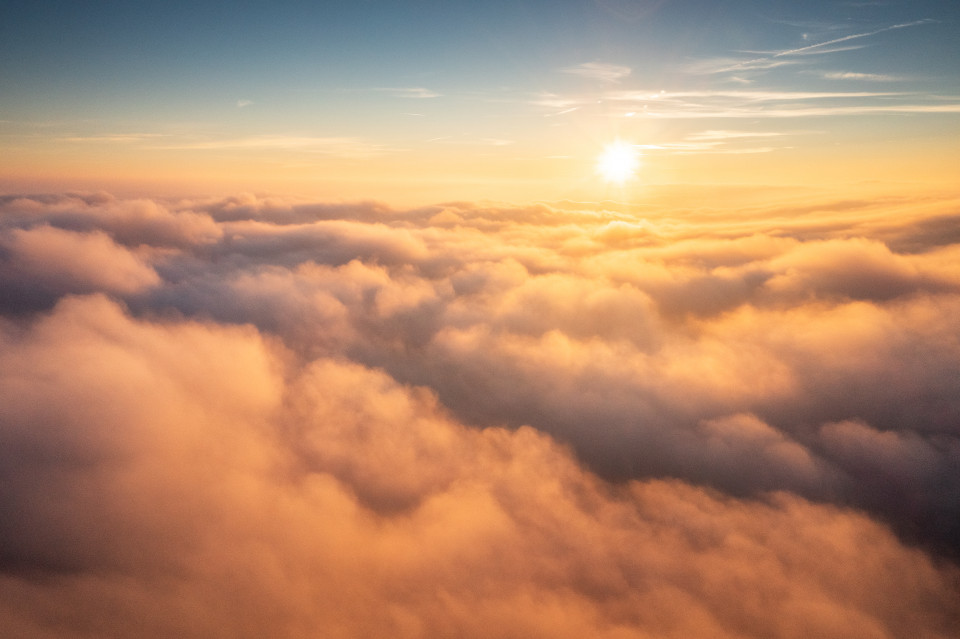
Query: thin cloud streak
(819, 47)
(608, 73)
(725, 65)
(415, 93)
(753, 104)
(801, 112)
(749, 96)
(115, 137)
(733, 135)
(829, 50)
(852, 75)
(342, 146)
(852, 37)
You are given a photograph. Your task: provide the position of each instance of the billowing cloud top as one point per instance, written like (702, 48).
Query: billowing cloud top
(259, 417)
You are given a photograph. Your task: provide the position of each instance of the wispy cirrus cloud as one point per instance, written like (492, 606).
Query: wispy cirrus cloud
(747, 96)
(603, 72)
(114, 137)
(801, 111)
(828, 50)
(770, 60)
(722, 135)
(779, 104)
(853, 75)
(715, 142)
(472, 141)
(345, 146)
(766, 60)
(561, 112)
(749, 103)
(556, 101)
(725, 64)
(331, 145)
(854, 36)
(414, 93)
(829, 46)
(693, 147)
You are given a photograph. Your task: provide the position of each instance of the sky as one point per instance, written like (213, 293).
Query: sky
(419, 102)
(338, 319)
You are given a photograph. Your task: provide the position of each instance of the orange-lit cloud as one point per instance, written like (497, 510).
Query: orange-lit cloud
(46, 262)
(253, 416)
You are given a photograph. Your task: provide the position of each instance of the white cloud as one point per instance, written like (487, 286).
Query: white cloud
(732, 135)
(773, 59)
(746, 96)
(726, 64)
(609, 73)
(801, 112)
(780, 104)
(818, 48)
(342, 146)
(851, 75)
(417, 93)
(472, 141)
(554, 101)
(847, 38)
(114, 137)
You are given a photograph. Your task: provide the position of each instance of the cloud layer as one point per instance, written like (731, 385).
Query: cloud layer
(253, 416)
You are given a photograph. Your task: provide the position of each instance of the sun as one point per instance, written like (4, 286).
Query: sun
(618, 162)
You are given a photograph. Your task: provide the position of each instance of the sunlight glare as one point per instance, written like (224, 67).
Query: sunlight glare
(618, 162)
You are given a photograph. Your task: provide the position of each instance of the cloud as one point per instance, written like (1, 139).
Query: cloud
(337, 146)
(40, 264)
(828, 50)
(754, 104)
(115, 137)
(332, 145)
(264, 416)
(727, 64)
(472, 141)
(128, 222)
(819, 48)
(603, 72)
(418, 93)
(766, 60)
(244, 103)
(754, 112)
(868, 77)
(724, 135)
(853, 36)
(554, 101)
(747, 96)
(715, 142)
(197, 482)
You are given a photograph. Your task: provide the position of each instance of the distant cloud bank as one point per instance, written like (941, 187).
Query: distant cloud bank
(253, 416)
